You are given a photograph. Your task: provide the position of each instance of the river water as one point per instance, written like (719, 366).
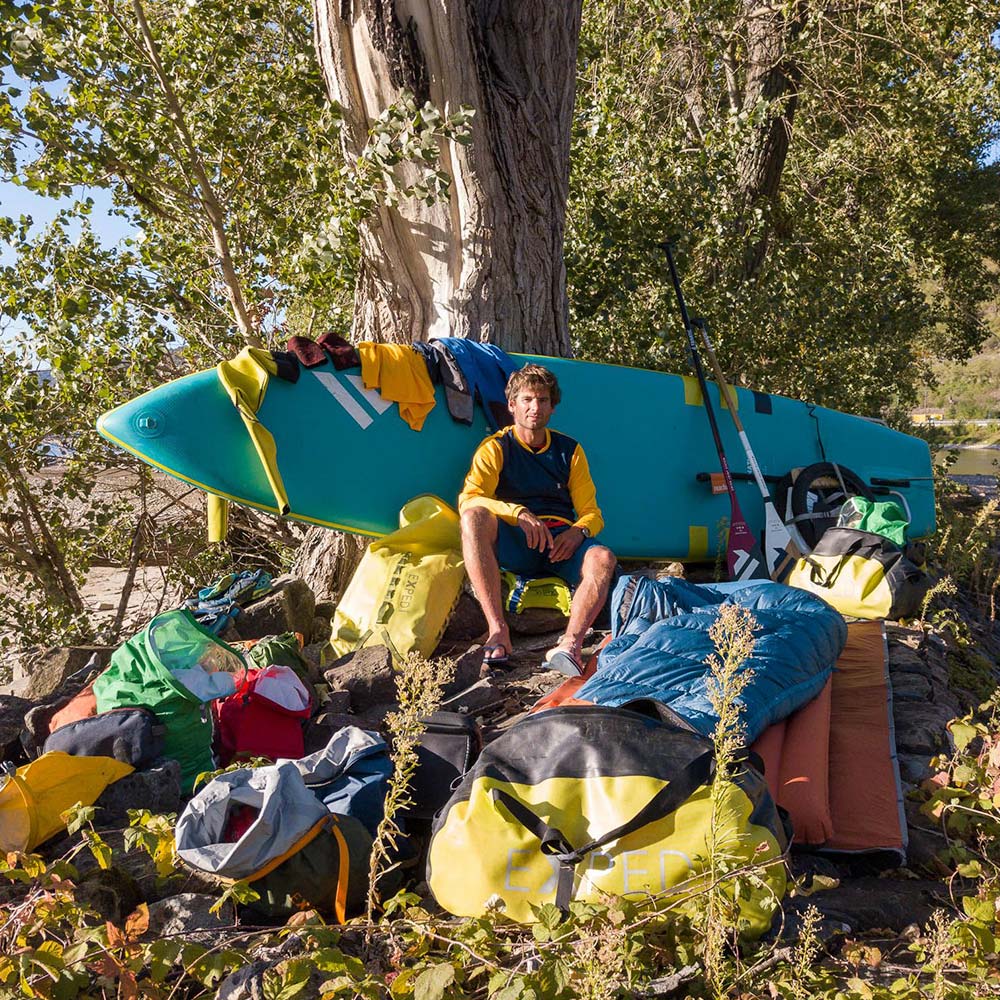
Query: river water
(973, 461)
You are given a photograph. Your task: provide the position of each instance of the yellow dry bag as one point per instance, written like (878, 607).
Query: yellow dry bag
(862, 574)
(406, 586)
(34, 797)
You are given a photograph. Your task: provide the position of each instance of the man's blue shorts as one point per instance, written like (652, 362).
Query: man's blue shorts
(513, 554)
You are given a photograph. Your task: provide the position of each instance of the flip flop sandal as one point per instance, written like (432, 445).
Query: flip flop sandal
(495, 661)
(563, 662)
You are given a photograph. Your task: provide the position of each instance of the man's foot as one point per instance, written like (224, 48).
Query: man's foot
(496, 652)
(495, 655)
(565, 661)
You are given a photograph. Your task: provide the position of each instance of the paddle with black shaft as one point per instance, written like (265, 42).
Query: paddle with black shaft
(744, 559)
(781, 552)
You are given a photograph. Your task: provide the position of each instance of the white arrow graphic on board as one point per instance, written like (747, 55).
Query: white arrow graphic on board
(342, 395)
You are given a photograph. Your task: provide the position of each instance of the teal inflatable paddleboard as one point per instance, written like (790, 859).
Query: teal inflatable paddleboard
(349, 461)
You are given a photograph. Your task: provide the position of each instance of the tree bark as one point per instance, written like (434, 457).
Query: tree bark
(487, 262)
(773, 76)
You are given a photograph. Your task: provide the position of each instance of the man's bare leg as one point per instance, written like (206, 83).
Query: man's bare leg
(595, 578)
(479, 536)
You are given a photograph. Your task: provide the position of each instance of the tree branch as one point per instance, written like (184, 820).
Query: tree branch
(213, 208)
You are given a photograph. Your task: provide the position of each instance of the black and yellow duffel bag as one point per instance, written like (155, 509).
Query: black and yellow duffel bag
(862, 574)
(582, 802)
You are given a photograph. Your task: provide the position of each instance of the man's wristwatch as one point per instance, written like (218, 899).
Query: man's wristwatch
(584, 530)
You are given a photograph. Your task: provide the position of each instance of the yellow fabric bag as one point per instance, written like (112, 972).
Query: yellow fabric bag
(34, 797)
(862, 574)
(584, 802)
(406, 586)
(521, 593)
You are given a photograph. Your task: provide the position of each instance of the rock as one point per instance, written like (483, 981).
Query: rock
(46, 671)
(337, 703)
(914, 767)
(326, 609)
(112, 893)
(157, 789)
(319, 731)
(468, 669)
(926, 844)
(374, 716)
(868, 903)
(467, 622)
(12, 713)
(366, 674)
(535, 621)
(320, 631)
(920, 726)
(247, 983)
(475, 698)
(290, 607)
(312, 653)
(911, 687)
(186, 914)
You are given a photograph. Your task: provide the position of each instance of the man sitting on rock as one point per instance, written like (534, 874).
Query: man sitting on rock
(529, 505)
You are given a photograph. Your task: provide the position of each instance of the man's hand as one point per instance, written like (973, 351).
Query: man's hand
(537, 534)
(565, 544)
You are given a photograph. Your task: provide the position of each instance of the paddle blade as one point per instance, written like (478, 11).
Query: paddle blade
(781, 550)
(744, 558)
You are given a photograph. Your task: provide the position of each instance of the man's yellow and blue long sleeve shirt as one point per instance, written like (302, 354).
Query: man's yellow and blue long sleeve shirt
(554, 482)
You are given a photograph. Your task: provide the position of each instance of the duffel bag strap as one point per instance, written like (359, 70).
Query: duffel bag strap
(816, 575)
(668, 799)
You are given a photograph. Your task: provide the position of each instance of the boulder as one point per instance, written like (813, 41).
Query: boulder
(326, 609)
(112, 893)
(318, 731)
(187, 914)
(12, 713)
(290, 607)
(320, 631)
(914, 767)
(920, 726)
(911, 687)
(535, 621)
(366, 674)
(247, 983)
(868, 903)
(468, 669)
(467, 621)
(157, 789)
(373, 717)
(44, 673)
(475, 698)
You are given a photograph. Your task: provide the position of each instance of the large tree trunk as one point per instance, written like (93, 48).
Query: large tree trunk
(487, 262)
(773, 76)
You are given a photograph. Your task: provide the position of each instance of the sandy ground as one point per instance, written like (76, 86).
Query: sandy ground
(150, 594)
(170, 503)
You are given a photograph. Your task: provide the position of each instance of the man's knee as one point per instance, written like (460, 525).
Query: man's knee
(599, 563)
(480, 523)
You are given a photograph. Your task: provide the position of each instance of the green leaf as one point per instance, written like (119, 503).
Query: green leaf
(432, 983)
(287, 983)
(78, 816)
(99, 848)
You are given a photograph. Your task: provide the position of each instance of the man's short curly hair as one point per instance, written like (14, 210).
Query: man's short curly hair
(533, 377)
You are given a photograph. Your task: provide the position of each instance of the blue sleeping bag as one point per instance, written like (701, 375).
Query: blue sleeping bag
(660, 645)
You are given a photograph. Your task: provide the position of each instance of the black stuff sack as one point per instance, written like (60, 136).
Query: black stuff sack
(448, 747)
(131, 735)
